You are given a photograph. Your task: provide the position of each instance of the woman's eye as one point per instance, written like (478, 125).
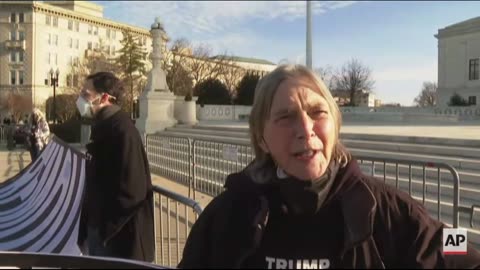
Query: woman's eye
(283, 117)
(318, 113)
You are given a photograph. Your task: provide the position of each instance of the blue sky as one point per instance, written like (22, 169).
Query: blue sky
(395, 39)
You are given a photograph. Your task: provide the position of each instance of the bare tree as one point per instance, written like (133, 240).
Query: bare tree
(231, 76)
(202, 65)
(174, 63)
(327, 75)
(428, 95)
(199, 64)
(229, 73)
(94, 61)
(17, 104)
(354, 77)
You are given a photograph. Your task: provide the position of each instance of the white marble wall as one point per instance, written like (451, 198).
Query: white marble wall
(223, 112)
(382, 114)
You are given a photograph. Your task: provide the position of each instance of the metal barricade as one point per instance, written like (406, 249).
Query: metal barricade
(170, 157)
(172, 224)
(471, 212)
(214, 160)
(436, 185)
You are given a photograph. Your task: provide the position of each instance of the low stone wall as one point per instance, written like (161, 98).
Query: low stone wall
(463, 113)
(360, 114)
(223, 112)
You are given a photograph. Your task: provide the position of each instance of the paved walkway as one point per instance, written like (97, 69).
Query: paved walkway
(12, 162)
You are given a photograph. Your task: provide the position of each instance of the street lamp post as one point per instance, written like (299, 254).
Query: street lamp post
(54, 82)
(309, 35)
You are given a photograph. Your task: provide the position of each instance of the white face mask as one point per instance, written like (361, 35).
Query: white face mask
(84, 107)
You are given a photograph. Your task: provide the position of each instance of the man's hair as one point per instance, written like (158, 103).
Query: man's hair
(265, 91)
(107, 82)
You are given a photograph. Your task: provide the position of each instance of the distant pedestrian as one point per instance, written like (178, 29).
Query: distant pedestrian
(39, 134)
(10, 132)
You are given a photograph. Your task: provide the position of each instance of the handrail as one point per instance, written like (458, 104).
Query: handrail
(180, 198)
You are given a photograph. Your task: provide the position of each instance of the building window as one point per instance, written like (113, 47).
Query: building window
(13, 18)
(47, 80)
(70, 25)
(77, 42)
(108, 33)
(77, 26)
(70, 42)
(75, 80)
(74, 61)
(97, 46)
(89, 45)
(48, 20)
(13, 57)
(95, 32)
(55, 21)
(56, 40)
(21, 35)
(472, 100)
(114, 34)
(49, 39)
(473, 71)
(20, 56)
(13, 77)
(20, 77)
(113, 50)
(13, 35)
(49, 58)
(21, 18)
(90, 29)
(69, 80)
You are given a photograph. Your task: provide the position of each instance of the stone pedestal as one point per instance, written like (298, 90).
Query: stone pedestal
(186, 111)
(156, 112)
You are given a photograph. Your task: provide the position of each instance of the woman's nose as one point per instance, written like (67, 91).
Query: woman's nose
(304, 126)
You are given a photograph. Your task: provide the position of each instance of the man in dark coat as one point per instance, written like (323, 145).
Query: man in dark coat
(117, 216)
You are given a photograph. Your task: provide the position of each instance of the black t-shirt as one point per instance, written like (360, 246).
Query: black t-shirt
(301, 242)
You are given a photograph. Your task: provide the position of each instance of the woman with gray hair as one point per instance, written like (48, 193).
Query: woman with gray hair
(39, 133)
(304, 202)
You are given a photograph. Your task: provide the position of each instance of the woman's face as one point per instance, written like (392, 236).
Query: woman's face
(300, 131)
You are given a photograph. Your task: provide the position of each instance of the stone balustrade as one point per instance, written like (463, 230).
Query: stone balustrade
(362, 114)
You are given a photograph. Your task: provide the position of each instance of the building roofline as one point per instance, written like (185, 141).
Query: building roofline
(98, 21)
(461, 28)
(245, 59)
